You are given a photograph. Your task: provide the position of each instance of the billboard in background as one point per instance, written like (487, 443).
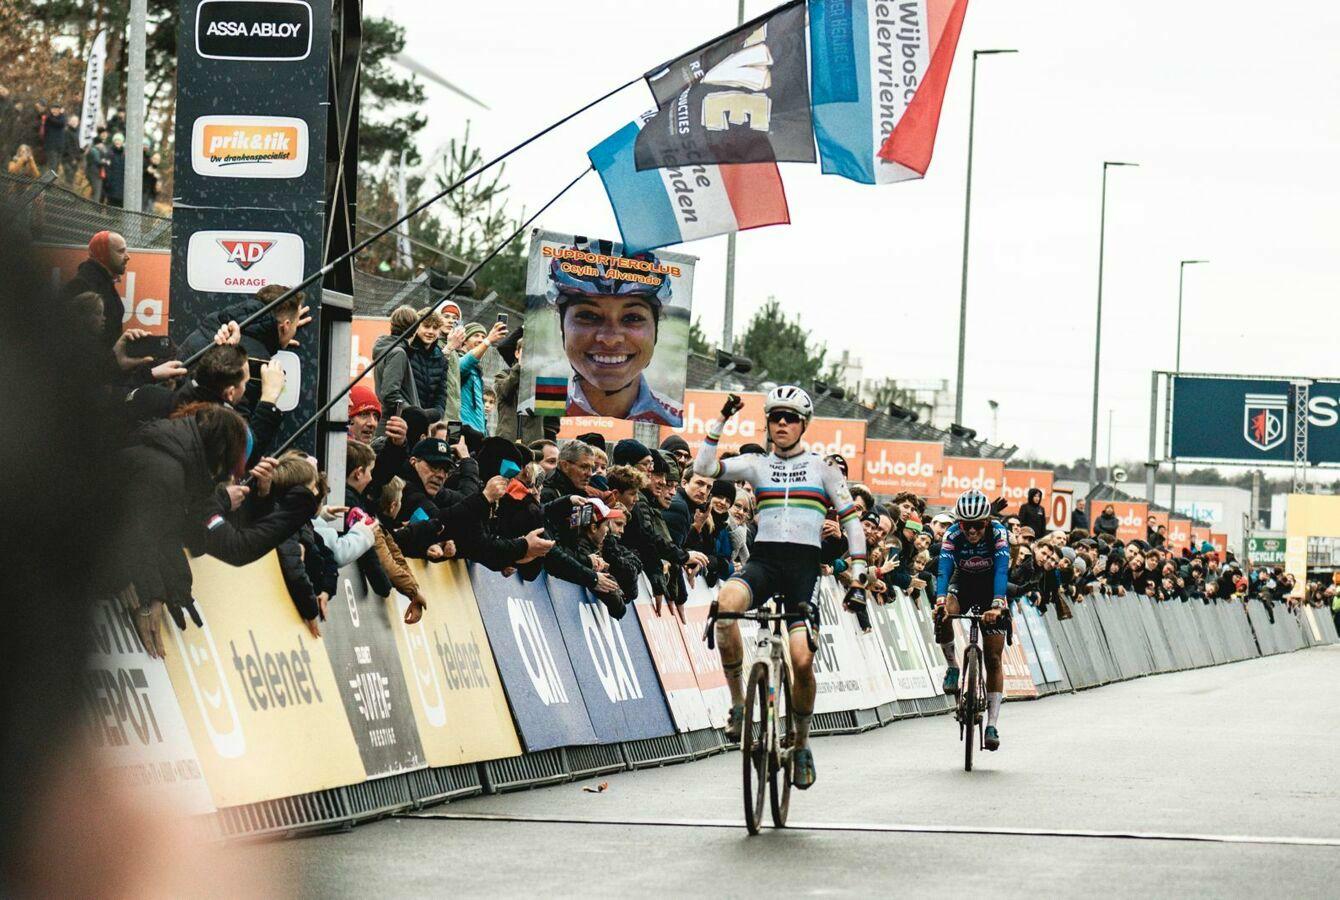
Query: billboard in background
(1179, 533)
(748, 426)
(964, 472)
(1060, 508)
(842, 436)
(1251, 419)
(892, 467)
(1132, 518)
(1220, 542)
(1018, 482)
(1265, 550)
(143, 289)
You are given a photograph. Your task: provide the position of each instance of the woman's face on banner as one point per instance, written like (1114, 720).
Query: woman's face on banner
(609, 340)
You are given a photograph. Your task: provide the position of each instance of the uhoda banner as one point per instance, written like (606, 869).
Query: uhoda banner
(1252, 419)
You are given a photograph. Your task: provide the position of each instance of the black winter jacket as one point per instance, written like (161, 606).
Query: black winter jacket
(309, 569)
(91, 276)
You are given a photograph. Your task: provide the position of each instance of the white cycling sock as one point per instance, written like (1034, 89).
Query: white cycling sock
(802, 729)
(951, 655)
(993, 699)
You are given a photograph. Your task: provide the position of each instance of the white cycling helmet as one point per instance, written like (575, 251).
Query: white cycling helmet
(972, 506)
(788, 396)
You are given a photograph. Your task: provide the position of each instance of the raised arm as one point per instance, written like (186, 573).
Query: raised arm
(850, 519)
(739, 468)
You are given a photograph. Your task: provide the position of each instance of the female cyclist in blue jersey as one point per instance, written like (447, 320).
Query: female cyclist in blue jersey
(794, 488)
(974, 573)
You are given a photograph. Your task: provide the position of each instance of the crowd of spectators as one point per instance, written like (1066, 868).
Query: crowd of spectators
(438, 466)
(38, 136)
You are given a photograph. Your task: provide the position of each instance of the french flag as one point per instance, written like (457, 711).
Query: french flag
(878, 72)
(660, 207)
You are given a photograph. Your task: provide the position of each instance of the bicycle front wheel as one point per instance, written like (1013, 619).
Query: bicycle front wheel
(779, 795)
(972, 708)
(754, 746)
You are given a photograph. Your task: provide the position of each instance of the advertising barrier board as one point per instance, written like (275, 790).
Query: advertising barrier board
(613, 667)
(359, 640)
(665, 640)
(907, 665)
(838, 661)
(707, 662)
(455, 689)
(257, 690)
(133, 721)
(532, 660)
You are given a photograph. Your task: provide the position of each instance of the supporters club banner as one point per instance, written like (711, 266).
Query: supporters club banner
(358, 639)
(660, 207)
(613, 667)
(1018, 482)
(532, 660)
(143, 288)
(743, 98)
(665, 641)
(257, 690)
(133, 721)
(892, 467)
(607, 331)
(455, 689)
(878, 73)
(613, 430)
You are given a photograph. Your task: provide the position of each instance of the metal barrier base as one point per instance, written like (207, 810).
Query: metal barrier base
(657, 751)
(525, 771)
(286, 816)
(594, 759)
(704, 742)
(430, 786)
(841, 722)
(378, 797)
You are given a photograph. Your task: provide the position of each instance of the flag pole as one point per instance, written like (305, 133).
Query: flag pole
(728, 316)
(386, 229)
(429, 310)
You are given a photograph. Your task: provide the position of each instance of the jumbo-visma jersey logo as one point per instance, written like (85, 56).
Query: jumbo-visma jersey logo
(243, 262)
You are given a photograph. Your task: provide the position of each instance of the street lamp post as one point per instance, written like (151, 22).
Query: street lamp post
(967, 212)
(1098, 328)
(1177, 363)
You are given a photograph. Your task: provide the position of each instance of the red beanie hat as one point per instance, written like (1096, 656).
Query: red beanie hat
(100, 249)
(361, 399)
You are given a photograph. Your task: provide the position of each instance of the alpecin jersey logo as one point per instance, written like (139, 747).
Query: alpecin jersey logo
(1263, 418)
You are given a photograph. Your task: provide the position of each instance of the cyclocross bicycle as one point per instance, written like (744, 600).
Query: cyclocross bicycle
(971, 707)
(767, 734)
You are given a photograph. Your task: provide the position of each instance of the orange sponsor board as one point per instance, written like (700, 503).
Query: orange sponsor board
(892, 467)
(748, 426)
(613, 429)
(1199, 535)
(1060, 506)
(1132, 518)
(843, 436)
(964, 472)
(1220, 541)
(143, 289)
(364, 331)
(1179, 533)
(1018, 482)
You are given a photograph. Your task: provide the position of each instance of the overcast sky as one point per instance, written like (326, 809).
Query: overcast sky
(1230, 112)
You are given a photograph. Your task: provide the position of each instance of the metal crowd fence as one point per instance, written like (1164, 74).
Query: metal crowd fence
(507, 685)
(52, 212)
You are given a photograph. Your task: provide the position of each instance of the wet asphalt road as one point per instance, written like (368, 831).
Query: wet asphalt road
(1208, 783)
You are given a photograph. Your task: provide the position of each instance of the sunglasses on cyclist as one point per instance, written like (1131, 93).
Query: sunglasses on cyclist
(976, 525)
(784, 417)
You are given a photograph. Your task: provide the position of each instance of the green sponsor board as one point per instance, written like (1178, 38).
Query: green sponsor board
(1266, 550)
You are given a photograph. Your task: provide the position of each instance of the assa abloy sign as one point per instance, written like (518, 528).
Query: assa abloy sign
(267, 30)
(1252, 419)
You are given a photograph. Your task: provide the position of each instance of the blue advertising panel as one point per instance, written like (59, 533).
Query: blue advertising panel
(1251, 419)
(1042, 642)
(532, 660)
(613, 667)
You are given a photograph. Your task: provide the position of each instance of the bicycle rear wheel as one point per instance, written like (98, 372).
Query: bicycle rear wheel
(779, 795)
(754, 746)
(972, 709)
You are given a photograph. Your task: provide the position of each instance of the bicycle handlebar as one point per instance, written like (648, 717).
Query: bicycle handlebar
(754, 615)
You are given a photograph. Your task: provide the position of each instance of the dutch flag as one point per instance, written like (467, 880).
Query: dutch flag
(660, 207)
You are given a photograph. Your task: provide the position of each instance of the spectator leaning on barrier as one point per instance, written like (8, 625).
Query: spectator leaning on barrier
(106, 263)
(270, 332)
(307, 564)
